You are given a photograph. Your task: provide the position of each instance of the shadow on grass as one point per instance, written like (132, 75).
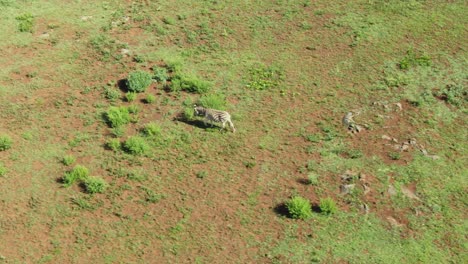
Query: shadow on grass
(282, 210)
(192, 122)
(316, 208)
(303, 181)
(123, 85)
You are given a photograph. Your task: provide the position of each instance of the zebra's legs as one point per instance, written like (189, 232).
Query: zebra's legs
(231, 125)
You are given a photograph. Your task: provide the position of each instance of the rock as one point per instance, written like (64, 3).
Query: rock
(408, 193)
(367, 189)
(124, 51)
(365, 208)
(44, 35)
(404, 147)
(391, 190)
(348, 176)
(393, 222)
(347, 188)
(385, 137)
(400, 107)
(86, 18)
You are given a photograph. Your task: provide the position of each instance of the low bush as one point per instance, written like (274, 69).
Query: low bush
(117, 116)
(138, 81)
(78, 173)
(3, 170)
(160, 75)
(113, 144)
(136, 145)
(264, 77)
(214, 101)
(130, 96)
(68, 160)
(111, 94)
(95, 185)
(150, 99)
(25, 23)
(299, 208)
(5, 142)
(328, 206)
(152, 129)
(189, 83)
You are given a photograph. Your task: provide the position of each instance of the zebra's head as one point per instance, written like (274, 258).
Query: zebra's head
(199, 110)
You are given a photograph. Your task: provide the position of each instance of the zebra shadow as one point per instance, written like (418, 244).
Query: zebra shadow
(197, 123)
(192, 122)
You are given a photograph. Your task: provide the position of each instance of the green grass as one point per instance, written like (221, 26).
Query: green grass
(5, 142)
(95, 185)
(138, 81)
(77, 174)
(118, 116)
(287, 71)
(299, 208)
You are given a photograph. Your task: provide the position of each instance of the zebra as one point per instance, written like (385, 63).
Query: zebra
(213, 115)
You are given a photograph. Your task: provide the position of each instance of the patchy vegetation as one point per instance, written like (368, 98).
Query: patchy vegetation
(355, 109)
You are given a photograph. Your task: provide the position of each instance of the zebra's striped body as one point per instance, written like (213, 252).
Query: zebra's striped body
(213, 115)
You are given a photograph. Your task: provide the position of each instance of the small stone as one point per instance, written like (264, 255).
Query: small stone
(391, 190)
(348, 176)
(393, 221)
(408, 193)
(400, 107)
(365, 208)
(404, 147)
(44, 35)
(86, 18)
(124, 51)
(385, 137)
(347, 188)
(367, 189)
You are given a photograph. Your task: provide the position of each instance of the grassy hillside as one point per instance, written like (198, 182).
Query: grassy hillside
(102, 160)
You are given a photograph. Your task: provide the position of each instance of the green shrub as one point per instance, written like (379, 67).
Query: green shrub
(3, 170)
(150, 99)
(192, 84)
(136, 145)
(117, 116)
(111, 94)
(313, 179)
(130, 96)
(95, 185)
(68, 160)
(78, 173)
(107, 47)
(214, 101)
(152, 129)
(118, 131)
(411, 60)
(175, 66)
(454, 94)
(113, 144)
(25, 23)
(394, 155)
(160, 75)
(133, 109)
(138, 81)
(264, 77)
(5, 142)
(189, 113)
(299, 208)
(328, 206)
